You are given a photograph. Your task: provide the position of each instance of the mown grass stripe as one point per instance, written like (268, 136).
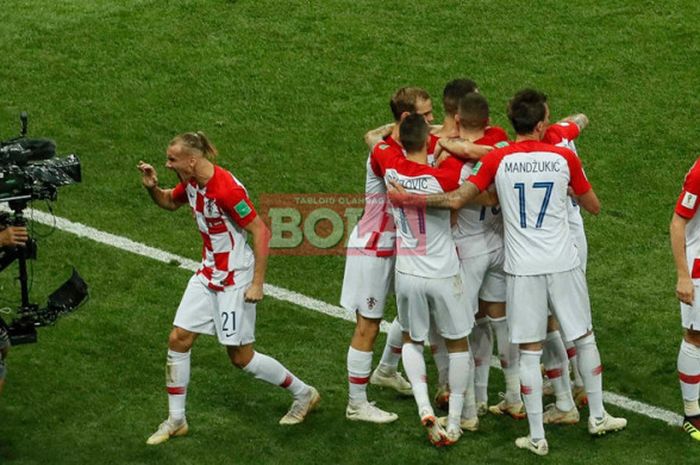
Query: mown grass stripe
(296, 298)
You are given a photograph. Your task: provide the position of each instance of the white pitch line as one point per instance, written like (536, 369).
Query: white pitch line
(295, 298)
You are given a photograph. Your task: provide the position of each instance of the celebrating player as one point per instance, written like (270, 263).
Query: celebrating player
(685, 242)
(428, 283)
(541, 261)
(220, 298)
(369, 269)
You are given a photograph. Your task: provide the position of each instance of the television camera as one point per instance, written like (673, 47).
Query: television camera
(31, 170)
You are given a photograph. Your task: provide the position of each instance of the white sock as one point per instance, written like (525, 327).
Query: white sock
(359, 368)
(556, 365)
(469, 409)
(592, 373)
(509, 355)
(267, 369)
(689, 375)
(459, 376)
(439, 351)
(531, 388)
(177, 377)
(414, 364)
(481, 344)
(573, 363)
(392, 349)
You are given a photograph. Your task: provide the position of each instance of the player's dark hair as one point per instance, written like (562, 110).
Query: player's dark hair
(413, 133)
(404, 100)
(473, 111)
(526, 109)
(454, 91)
(196, 142)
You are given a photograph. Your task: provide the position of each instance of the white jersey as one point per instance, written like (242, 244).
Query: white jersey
(424, 245)
(532, 179)
(375, 233)
(687, 207)
(563, 134)
(478, 230)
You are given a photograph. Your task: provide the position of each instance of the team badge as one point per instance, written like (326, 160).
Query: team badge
(689, 200)
(242, 208)
(503, 143)
(371, 302)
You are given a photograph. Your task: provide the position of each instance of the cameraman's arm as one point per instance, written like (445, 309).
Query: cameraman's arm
(13, 236)
(162, 197)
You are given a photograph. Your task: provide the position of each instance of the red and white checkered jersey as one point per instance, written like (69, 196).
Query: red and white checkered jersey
(687, 207)
(221, 209)
(424, 244)
(563, 134)
(532, 178)
(375, 233)
(478, 230)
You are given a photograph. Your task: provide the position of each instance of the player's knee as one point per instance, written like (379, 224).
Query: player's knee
(180, 340)
(240, 356)
(367, 328)
(692, 336)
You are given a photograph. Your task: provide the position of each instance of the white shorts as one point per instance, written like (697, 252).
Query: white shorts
(366, 284)
(690, 314)
(484, 278)
(419, 298)
(530, 297)
(579, 236)
(225, 313)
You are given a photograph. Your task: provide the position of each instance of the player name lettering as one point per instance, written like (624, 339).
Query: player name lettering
(533, 166)
(414, 183)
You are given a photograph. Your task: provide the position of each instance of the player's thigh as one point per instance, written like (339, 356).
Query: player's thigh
(235, 318)
(446, 299)
(197, 308)
(493, 288)
(690, 314)
(568, 298)
(367, 282)
(526, 303)
(473, 270)
(412, 306)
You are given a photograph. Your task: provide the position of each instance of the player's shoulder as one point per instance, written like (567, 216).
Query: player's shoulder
(694, 172)
(224, 184)
(495, 135)
(385, 148)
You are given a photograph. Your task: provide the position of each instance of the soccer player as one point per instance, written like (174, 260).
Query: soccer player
(369, 269)
(478, 233)
(428, 282)
(220, 298)
(558, 354)
(685, 243)
(541, 261)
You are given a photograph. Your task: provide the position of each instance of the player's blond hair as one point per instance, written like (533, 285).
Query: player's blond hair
(404, 100)
(196, 142)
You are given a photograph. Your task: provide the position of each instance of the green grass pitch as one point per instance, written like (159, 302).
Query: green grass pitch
(286, 89)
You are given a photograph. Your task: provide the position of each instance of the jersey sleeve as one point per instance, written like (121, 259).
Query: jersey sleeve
(687, 203)
(485, 170)
(236, 204)
(578, 182)
(557, 132)
(180, 193)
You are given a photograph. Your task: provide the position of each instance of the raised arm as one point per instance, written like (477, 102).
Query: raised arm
(374, 136)
(261, 248)
(464, 149)
(162, 197)
(684, 286)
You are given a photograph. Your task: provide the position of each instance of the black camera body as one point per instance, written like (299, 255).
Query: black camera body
(31, 170)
